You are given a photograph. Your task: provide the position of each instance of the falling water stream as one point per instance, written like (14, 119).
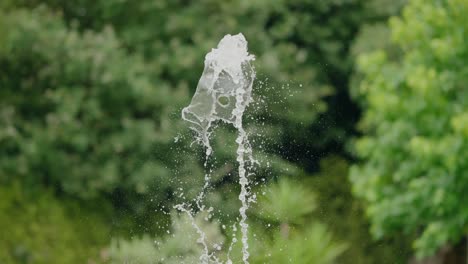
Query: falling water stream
(223, 93)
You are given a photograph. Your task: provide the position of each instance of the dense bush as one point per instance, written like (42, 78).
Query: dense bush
(180, 246)
(39, 228)
(77, 112)
(345, 216)
(296, 42)
(282, 232)
(91, 92)
(106, 81)
(415, 147)
(287, 232)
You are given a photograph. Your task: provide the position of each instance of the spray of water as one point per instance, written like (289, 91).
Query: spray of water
(223, 93)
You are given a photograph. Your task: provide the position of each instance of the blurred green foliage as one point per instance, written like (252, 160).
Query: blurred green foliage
(289, 232)
(285, 202)
(39, 228)
(77, 111)
(312, 244)
(90, 99)
(345, 217)
(96, 109)
(179, 246)
(275, 236)
(415, 147)
(295, 41)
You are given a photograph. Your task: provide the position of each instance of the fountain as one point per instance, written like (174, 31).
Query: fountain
(223, 93)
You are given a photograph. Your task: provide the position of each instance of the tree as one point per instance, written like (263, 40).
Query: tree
(296, 42)
(46, 230)
(181, 246)
(91, 92)
(344, 214)
(415, 124)
(78, 113)
(96, 110)
(283, 232)
(287, 232)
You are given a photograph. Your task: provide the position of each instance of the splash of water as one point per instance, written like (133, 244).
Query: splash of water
(223, 93)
